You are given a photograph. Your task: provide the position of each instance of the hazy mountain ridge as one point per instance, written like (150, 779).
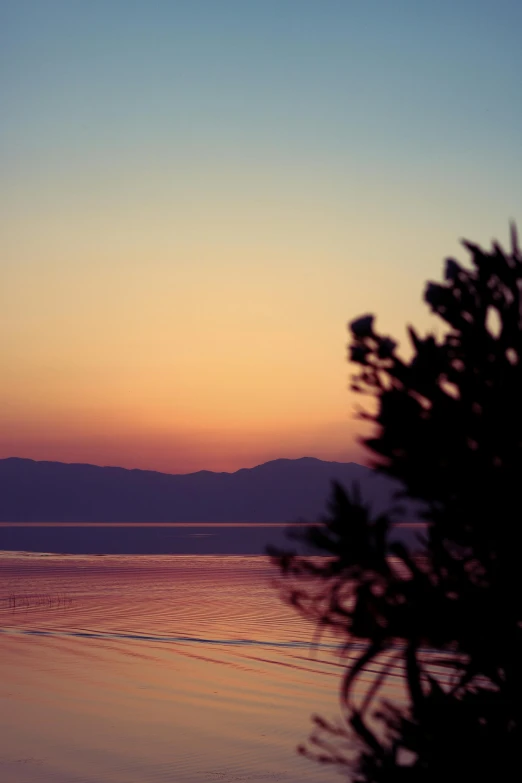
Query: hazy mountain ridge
(278, 491)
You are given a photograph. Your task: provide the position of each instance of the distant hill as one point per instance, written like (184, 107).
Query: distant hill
(279, 491)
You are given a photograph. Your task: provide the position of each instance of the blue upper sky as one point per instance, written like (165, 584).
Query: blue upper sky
(335, 82)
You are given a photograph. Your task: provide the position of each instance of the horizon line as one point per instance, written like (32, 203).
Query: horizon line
(189, 473)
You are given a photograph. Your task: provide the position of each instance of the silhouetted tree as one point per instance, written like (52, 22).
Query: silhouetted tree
(448, 426)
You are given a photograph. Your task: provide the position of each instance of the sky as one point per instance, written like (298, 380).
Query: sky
(197, 196)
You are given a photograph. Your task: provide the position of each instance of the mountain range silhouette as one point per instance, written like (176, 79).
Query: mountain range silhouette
(283, 490)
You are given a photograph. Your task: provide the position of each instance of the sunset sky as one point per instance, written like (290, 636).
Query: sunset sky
(198, 195)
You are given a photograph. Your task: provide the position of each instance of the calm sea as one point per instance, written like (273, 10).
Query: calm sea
(143, 668)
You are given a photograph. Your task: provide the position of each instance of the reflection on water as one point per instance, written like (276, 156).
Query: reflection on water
(125, 669)
(179, 668)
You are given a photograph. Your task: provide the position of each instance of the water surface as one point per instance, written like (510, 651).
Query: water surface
(127, 669)
(157, 538)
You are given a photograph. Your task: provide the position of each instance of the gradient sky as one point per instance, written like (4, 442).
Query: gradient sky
(196, 196)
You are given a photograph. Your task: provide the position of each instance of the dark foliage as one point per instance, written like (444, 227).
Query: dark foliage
(448, 426)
